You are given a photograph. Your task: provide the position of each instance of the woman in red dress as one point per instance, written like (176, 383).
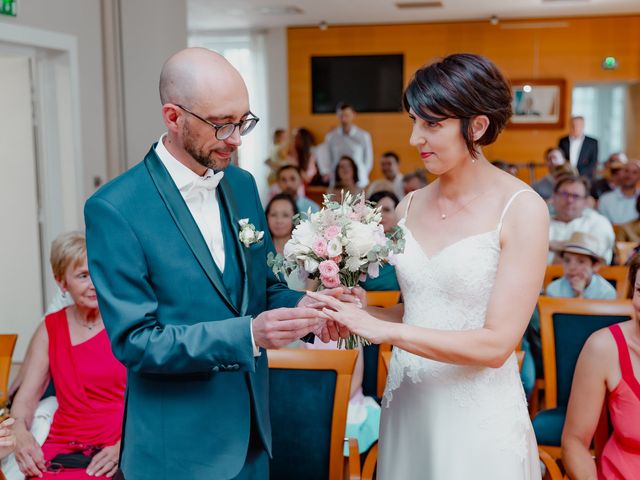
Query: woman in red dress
(71, 348)
(608, 370)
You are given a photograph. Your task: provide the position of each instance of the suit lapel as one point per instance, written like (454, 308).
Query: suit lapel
(185, 223)
(229, 204)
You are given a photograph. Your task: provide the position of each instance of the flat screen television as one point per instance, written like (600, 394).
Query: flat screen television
(371, 83)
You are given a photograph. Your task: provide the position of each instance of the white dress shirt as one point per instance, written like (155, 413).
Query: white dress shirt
(591, 222)
(202, 203)
(355, 144)
(575, 145)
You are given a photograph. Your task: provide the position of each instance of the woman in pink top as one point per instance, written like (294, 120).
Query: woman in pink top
(606, 369)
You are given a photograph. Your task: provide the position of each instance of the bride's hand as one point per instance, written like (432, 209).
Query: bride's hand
(354, 318)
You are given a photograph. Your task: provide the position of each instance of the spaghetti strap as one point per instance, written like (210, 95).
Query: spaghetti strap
(626, 368)
(506, 207)
(406, 210)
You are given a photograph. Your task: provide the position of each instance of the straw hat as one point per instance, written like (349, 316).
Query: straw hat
(583, 244)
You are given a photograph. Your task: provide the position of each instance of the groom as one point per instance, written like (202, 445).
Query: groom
(189, 308)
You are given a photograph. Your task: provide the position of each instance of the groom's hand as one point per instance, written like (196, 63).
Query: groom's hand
(279, 327)
(330, 330)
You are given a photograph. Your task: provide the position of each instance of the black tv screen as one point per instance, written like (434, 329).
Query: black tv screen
(371, 83)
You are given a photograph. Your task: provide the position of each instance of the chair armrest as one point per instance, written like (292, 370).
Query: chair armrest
(352, 462)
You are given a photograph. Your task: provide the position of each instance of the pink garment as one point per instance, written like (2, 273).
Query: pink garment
(621, 457)
(90, 385)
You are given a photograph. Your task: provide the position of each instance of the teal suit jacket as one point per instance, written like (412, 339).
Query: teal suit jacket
(193, 382)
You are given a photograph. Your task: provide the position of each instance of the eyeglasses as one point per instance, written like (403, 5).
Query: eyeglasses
(225, 130)
(570, 196)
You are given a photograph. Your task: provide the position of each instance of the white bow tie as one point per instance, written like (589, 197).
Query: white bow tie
(202, 185)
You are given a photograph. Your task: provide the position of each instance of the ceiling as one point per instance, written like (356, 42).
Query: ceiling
(206, 15)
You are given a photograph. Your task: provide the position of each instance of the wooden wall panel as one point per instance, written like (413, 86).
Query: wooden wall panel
(569, 48)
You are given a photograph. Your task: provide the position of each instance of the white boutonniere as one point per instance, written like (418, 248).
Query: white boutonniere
(248, 233)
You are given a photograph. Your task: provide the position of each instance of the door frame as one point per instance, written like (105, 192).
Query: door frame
(57, 125)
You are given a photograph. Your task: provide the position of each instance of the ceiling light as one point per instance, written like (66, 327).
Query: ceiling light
(280, 10)
(414, 5)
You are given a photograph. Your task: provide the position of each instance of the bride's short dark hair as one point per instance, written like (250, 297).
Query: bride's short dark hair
(461, 86)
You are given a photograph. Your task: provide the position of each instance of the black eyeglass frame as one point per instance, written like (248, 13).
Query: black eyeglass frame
(217, 127)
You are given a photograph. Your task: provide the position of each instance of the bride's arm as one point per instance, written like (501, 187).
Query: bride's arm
(390, 314)
(524, 246)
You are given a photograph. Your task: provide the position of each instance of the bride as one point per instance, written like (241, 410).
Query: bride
(475, 255)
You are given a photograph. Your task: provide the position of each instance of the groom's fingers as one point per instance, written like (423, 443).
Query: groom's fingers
(293, 313)
(297, 324)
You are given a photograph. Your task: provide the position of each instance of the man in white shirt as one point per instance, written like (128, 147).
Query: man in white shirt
(177, 251)
(350, 140)
(582, 151)
(572, 215)
(390, 167)
(619, 205)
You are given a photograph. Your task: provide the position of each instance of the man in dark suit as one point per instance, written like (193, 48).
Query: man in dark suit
(582, 151)
(177, 251)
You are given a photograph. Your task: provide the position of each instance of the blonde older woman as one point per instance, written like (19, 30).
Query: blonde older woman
(71, 347)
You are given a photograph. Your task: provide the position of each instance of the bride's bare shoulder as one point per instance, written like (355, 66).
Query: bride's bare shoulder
(418, 195)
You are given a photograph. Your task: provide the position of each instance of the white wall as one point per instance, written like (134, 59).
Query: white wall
(151, 32)
(80, 18)
(277, 78)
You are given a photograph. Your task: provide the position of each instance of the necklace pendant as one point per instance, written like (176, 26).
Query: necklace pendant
(443, 216)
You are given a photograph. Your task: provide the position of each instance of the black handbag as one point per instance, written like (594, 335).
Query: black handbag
(72, 460)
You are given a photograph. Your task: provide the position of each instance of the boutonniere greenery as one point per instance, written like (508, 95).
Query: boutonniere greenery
(248, 233)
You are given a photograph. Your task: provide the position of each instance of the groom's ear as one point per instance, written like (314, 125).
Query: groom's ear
(171, 116)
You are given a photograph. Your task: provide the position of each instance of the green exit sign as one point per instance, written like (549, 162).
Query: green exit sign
(9, 7)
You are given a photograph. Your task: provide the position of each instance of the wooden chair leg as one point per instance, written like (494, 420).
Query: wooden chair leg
(352, 462)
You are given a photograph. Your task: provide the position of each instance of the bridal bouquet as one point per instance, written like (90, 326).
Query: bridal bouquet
(341, 244)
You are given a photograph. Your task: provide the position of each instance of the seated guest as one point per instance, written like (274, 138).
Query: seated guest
(510, 168)
(346, 178)
(630, 231)
(302, 154)
(280, 212)
(390, 167)
(570, 195)
(611, 166)
(386, 279)
(605, 373)
(71, 347)
(290, 181)
(580, 262)
(414, 181)
(553, 158)
(619, 205)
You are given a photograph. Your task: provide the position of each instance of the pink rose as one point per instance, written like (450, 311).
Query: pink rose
(337, 259)
(328, 268)
(330, 282)
(331, 232)
(320, 247)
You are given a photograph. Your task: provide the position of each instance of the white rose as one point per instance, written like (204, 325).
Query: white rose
(305, 233)
(243, 222)
(334, 248)
(247, 236)
(292, 250)
(361, 239)
(310, 265)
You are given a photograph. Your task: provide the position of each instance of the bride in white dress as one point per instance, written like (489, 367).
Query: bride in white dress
(475, 255)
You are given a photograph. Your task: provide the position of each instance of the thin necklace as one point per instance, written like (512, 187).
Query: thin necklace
(90, 326)
(444, 216)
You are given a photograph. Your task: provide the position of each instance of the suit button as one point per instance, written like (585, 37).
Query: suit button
(216, 369)
(236, 366)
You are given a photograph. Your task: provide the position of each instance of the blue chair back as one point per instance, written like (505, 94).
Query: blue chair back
(308, 399)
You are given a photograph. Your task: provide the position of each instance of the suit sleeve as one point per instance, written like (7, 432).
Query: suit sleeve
(129, 308)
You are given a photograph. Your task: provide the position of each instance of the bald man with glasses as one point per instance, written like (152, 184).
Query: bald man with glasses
(185, 293)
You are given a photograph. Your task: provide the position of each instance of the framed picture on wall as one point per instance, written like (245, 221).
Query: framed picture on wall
(538, 103)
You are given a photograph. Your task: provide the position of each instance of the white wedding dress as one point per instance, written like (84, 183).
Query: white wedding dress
(450, 422)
